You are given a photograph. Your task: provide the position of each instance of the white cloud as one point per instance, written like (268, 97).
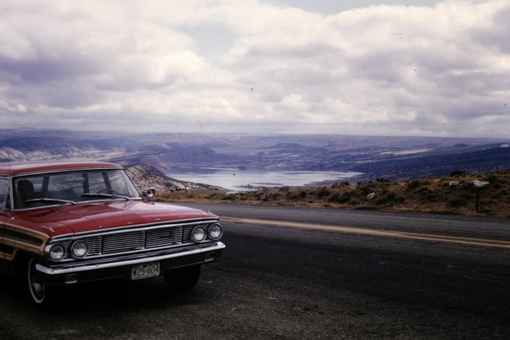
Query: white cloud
(252, 66)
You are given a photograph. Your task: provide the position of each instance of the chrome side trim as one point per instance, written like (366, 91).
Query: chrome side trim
(58, 271)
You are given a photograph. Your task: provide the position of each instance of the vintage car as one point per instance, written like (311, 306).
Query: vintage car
(63, 223)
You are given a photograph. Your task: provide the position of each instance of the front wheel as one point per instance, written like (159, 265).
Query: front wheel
(182, 278)
(38, 290)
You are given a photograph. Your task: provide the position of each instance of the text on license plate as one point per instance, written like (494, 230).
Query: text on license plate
(144, 271)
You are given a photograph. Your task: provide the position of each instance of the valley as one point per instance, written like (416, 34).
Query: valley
(392, 158)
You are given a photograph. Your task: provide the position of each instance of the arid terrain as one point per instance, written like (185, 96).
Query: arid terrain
(422, 174)
(455, 194)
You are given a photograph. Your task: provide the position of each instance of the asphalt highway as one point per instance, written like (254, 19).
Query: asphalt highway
(299, 273)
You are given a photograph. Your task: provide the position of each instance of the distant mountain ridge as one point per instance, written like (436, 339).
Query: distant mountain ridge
(393, 158)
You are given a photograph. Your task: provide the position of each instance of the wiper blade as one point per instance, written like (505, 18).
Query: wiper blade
(99, 194)
(47, 199)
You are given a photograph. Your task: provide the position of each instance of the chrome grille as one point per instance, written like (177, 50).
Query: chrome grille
(163, 237)
(186, 237)
(123, 242)
(119, 242)
(95, 245)
(138, 240)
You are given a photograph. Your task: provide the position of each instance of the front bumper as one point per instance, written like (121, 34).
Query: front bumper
(120, 267)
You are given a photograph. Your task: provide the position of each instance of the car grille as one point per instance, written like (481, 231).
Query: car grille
(135, 240)
(123, 242)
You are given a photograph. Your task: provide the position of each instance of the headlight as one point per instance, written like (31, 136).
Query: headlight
(57, 252)
(215, 231)
(198, 234)
(79, 249)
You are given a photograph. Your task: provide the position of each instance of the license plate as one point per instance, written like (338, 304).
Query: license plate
(144, 271)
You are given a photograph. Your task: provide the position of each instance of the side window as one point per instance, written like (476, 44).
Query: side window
(4, 192)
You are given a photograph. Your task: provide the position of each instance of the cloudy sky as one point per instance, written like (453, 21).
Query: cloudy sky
(418, 68)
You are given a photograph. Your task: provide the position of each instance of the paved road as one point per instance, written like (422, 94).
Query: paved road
(284, 278)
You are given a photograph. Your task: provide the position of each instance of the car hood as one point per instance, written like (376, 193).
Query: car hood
(105, 215)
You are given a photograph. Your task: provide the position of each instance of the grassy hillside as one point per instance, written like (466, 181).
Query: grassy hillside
(452, 195)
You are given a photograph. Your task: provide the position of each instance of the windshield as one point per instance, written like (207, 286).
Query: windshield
(72, 187)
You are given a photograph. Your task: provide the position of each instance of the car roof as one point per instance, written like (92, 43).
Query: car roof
(23, 168)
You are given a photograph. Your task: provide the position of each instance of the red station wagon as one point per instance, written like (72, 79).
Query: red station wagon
(65, 223)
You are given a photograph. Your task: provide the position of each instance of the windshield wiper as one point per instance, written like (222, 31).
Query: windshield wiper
(47, 199)
(99, 194)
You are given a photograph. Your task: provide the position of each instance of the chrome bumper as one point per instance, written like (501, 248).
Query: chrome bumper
(120, 268)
